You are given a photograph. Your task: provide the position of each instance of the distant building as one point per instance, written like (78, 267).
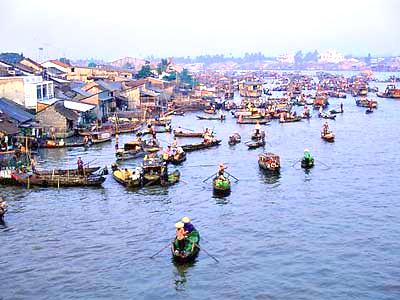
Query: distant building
(26, 90)
(331, 56)
(286, 58)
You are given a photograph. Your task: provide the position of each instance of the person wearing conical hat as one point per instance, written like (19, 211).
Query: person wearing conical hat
(307, 154)
(180, 235)
(187, 224)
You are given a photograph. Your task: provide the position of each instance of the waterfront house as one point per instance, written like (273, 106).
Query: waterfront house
(57, 120)
(26, 90)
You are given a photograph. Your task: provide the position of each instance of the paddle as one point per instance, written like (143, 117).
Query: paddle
(159, 251)
(296, 163)
(185, 128)
(322, 163)
(88, 163)
(232, 176)
(206, 252)
(209, 177)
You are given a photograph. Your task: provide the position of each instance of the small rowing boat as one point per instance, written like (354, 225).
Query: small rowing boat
(269, 162)
(256, 144)
(329, 137)
(128, 178)
(218, 118)
(181, 133)
(221, 186)
(190, 249)
(200, 146)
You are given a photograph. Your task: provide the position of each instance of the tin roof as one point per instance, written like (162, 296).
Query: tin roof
(15, 111)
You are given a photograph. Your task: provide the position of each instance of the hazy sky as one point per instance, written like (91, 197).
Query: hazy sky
(116, 28)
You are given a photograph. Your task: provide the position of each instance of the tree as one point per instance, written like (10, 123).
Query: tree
(145, 71)
(162, 66)
(185, 77)
(65, 60)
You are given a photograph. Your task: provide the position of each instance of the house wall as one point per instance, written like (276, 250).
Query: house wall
(49, 119)
(13, 88)
(133, 96)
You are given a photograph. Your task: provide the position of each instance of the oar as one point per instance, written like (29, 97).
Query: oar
(207, 252)
(296, 163)
(209, 177)
(232, 176)
(185, 128)
(90, 162)
(322, 163)
(159, 251)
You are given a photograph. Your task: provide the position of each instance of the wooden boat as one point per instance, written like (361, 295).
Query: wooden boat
(234, 139)
(218, 118)
(178, 113)
(326, 116)
(390, 92)
(200, 146)
(158, 130)
(131, 178)
(254, 121)
(181, 133)
(367, 103)
(329, 137)
(221, 186)
(190, 251)
(256, 144)
(269, 162)
(86, 171)
(307, 163)
(291, 120)
(176, 159)
(97, 137)
(51, 144)
(334, 111)
(131, 150)
(29, 179)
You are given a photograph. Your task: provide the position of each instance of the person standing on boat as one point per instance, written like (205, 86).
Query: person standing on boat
(33, 165)
(325, 128)
(3, 207)
(174, 143)
(221, 170)
(116, 142)
(341, 107)
(79, 162)
(257, 128)
(188, 226)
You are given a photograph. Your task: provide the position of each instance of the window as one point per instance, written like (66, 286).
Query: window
(44, 90)
(39, 92)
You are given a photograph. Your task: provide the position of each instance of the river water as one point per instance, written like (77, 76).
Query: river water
(331, 233)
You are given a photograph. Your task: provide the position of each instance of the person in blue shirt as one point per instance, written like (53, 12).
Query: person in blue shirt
(188, 226)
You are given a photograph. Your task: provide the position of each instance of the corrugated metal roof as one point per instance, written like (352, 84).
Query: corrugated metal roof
(14, 111)
(78, 106)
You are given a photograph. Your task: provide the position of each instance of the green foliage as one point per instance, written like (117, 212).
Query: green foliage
(162, 66)
(145, 71)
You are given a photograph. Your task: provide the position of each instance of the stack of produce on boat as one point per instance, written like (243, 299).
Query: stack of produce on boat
(269, 162)
(185, 246)
(221, 184)
(163, 121)
(324, 115)
(174, 155)
(210, 111)
(326, 134)
(321, 100)
(234, 139)
(307, 161)
(130, 150)
(153, 130)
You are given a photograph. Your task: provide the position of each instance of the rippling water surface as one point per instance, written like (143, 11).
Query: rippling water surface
(331, 233)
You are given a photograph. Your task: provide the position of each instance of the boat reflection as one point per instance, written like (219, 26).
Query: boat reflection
(180, 274)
